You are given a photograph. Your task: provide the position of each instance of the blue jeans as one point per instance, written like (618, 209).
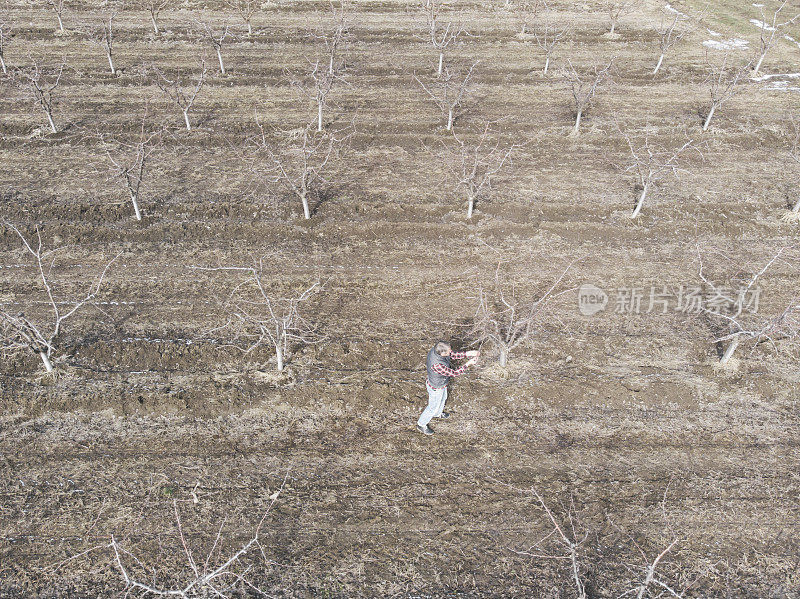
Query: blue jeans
(436, 399)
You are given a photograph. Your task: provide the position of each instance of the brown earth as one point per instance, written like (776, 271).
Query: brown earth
(625, 422)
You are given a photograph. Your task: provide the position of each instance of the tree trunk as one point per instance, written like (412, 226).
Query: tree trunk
(186, 120)
(279, 357)
(450, 120)
(48, 366)
(306, 211)
(441, 63)
(708, 118)
(730, 349)
(796, 208)
(658, 64)
(111, 63)
(330, 65)
(219, 56)
(758, 64)
(576, 128)
(155, 24)
(470, 206)
(136, 207)
(503, 357)
(60, 26)
(640, 202)
(613, 26)
(249, 29)
(546, 64)
(319, 115)
(50, 119)
(3, 64)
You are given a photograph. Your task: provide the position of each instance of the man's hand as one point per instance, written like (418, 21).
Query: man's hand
(473, 360)
(473, 354)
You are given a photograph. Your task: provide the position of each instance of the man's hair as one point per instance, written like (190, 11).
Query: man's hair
(441, 347)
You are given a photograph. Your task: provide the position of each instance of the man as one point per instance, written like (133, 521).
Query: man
(439, 374)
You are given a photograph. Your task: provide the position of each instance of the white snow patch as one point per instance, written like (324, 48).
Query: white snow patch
(762, 25)
(670, 8)
(781, 75)
(781, 86)
(731, 44)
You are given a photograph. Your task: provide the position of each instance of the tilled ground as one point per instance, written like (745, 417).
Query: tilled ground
(155, 434)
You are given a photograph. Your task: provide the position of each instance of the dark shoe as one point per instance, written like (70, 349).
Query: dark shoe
(425, 430)
(444, 416)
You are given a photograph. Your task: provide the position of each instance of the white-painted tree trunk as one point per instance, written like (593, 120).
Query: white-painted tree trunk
(48, 366)
(111, 63)
(60, 23)
(576, 128)
(3, 64)
(306, 210)
(319, 116)
(613, 26)
(52, 124)
(136, 207)
(155, 24)
(330, 65)
(758, 64)
(470, 206)
(219, 57)
(249, 29)
(640, 202)
(186, 120)
(450, 120)
(503, 357)
(796, 208)
(546, 64)
(708, 118)
(441, 63)
(658, 64)
(279, 357)
(730, 349)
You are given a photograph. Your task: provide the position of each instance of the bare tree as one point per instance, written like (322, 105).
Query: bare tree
(204, 578)
(668, 36)
(731, 307)
(616, 8)
(5, 32)
(440, 34)
(768, 31)
(104, 37)
(547, 38)
(182, 98)
(299, 162)
(316, 87)
(527, 12)
(336, 37)
(723, 84)
(43, 90)
(651, 162)
(506, 317)
(257, 317)
(154, 8)
(19, 332)
(247, 9)
(584, 87)
(58, 7)
(216, 39)
(474, 166)
(566, 538)
(129, 161)
(449, 93)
